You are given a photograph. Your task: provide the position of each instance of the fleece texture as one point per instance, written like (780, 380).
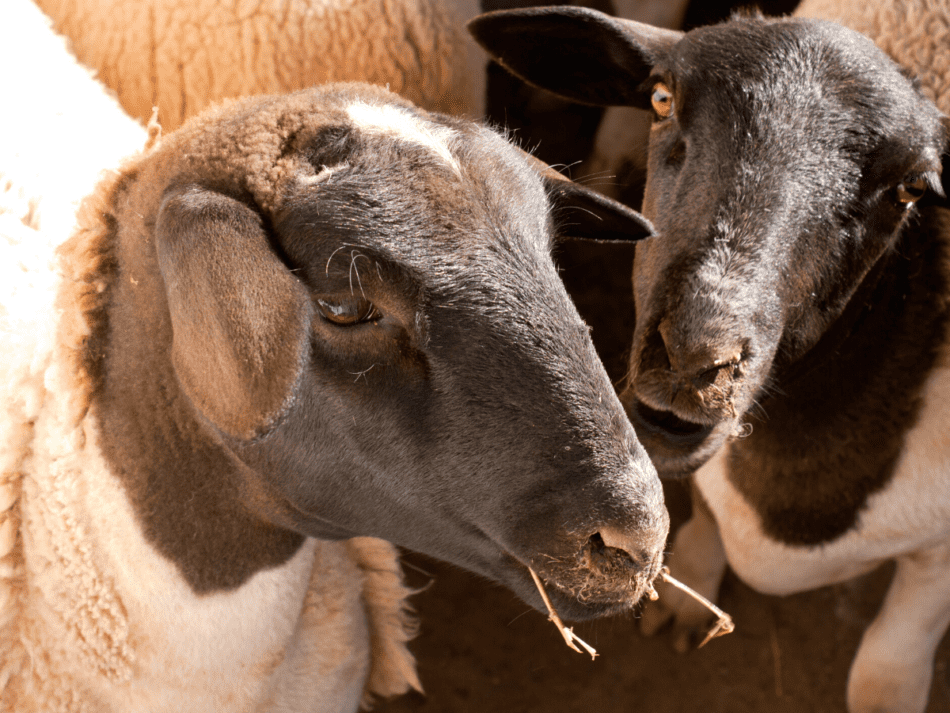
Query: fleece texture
(91, 617)
(183, 55)
(53, 148)
(915, 33)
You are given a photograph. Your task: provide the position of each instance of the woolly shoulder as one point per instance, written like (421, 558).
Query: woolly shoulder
(27, 291)
(391, 620)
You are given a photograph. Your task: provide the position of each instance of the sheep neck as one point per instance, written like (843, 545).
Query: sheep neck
(832, 435)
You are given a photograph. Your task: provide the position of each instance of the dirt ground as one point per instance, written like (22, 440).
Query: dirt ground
(482, 649)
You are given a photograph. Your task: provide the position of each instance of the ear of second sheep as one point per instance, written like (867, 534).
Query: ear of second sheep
(583, 213)
(579, 54)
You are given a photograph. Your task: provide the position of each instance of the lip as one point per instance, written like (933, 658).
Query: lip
(677, 447)
(677, 431)
(567, 603)
(571, 608)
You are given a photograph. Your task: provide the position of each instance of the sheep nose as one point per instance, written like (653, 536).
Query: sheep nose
(638, 539)
(702, 359)
(641, 548)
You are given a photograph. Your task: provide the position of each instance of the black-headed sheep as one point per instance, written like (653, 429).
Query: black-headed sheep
(291, 327)
(791, 335)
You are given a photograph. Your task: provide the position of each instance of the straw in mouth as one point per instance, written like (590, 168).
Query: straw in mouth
(724, 625)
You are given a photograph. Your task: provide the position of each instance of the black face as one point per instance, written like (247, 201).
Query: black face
(441, 391)
(784, 158)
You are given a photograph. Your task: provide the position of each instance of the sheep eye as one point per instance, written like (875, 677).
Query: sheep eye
(911, 190)
(349, 311)
(662, 100)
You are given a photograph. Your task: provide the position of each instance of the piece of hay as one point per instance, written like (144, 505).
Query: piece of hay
(567, 632)
(724, 625)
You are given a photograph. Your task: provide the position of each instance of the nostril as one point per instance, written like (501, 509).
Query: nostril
(654, 354)
(605, 557)
(702, 358)
(665, 332)
(727, 369)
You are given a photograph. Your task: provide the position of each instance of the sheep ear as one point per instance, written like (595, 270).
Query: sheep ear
(581, 54)
(583, 213)
(240, 319)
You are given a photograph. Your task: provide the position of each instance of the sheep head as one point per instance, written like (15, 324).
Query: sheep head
(786, 158)
(338, 315)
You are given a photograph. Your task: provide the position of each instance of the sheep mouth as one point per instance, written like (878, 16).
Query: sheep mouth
(668, 424)
(676, 446)
(599, 581)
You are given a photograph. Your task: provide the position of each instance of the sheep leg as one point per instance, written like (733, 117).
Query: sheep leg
(697, 560)
(893, 668)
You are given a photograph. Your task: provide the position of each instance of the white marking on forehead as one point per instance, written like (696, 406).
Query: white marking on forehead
(392, 121)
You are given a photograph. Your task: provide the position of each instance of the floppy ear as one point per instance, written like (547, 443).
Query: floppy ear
(581, 54)
(240, 319)
(583, 213)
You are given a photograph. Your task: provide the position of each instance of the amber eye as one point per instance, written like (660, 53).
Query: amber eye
(911, 190)
(349, 310)
(662, 100)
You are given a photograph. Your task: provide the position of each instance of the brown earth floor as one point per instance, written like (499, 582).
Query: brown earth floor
(481, 649)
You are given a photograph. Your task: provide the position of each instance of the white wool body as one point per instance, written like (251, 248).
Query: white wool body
(92, 617)
(61, 133)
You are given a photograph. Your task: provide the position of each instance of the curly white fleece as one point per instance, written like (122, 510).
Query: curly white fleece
(184, 56)
(91, 617)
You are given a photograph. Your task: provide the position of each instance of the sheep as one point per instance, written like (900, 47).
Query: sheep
(49, 158)
(184, 56)
(791, 337)
(284, 339)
